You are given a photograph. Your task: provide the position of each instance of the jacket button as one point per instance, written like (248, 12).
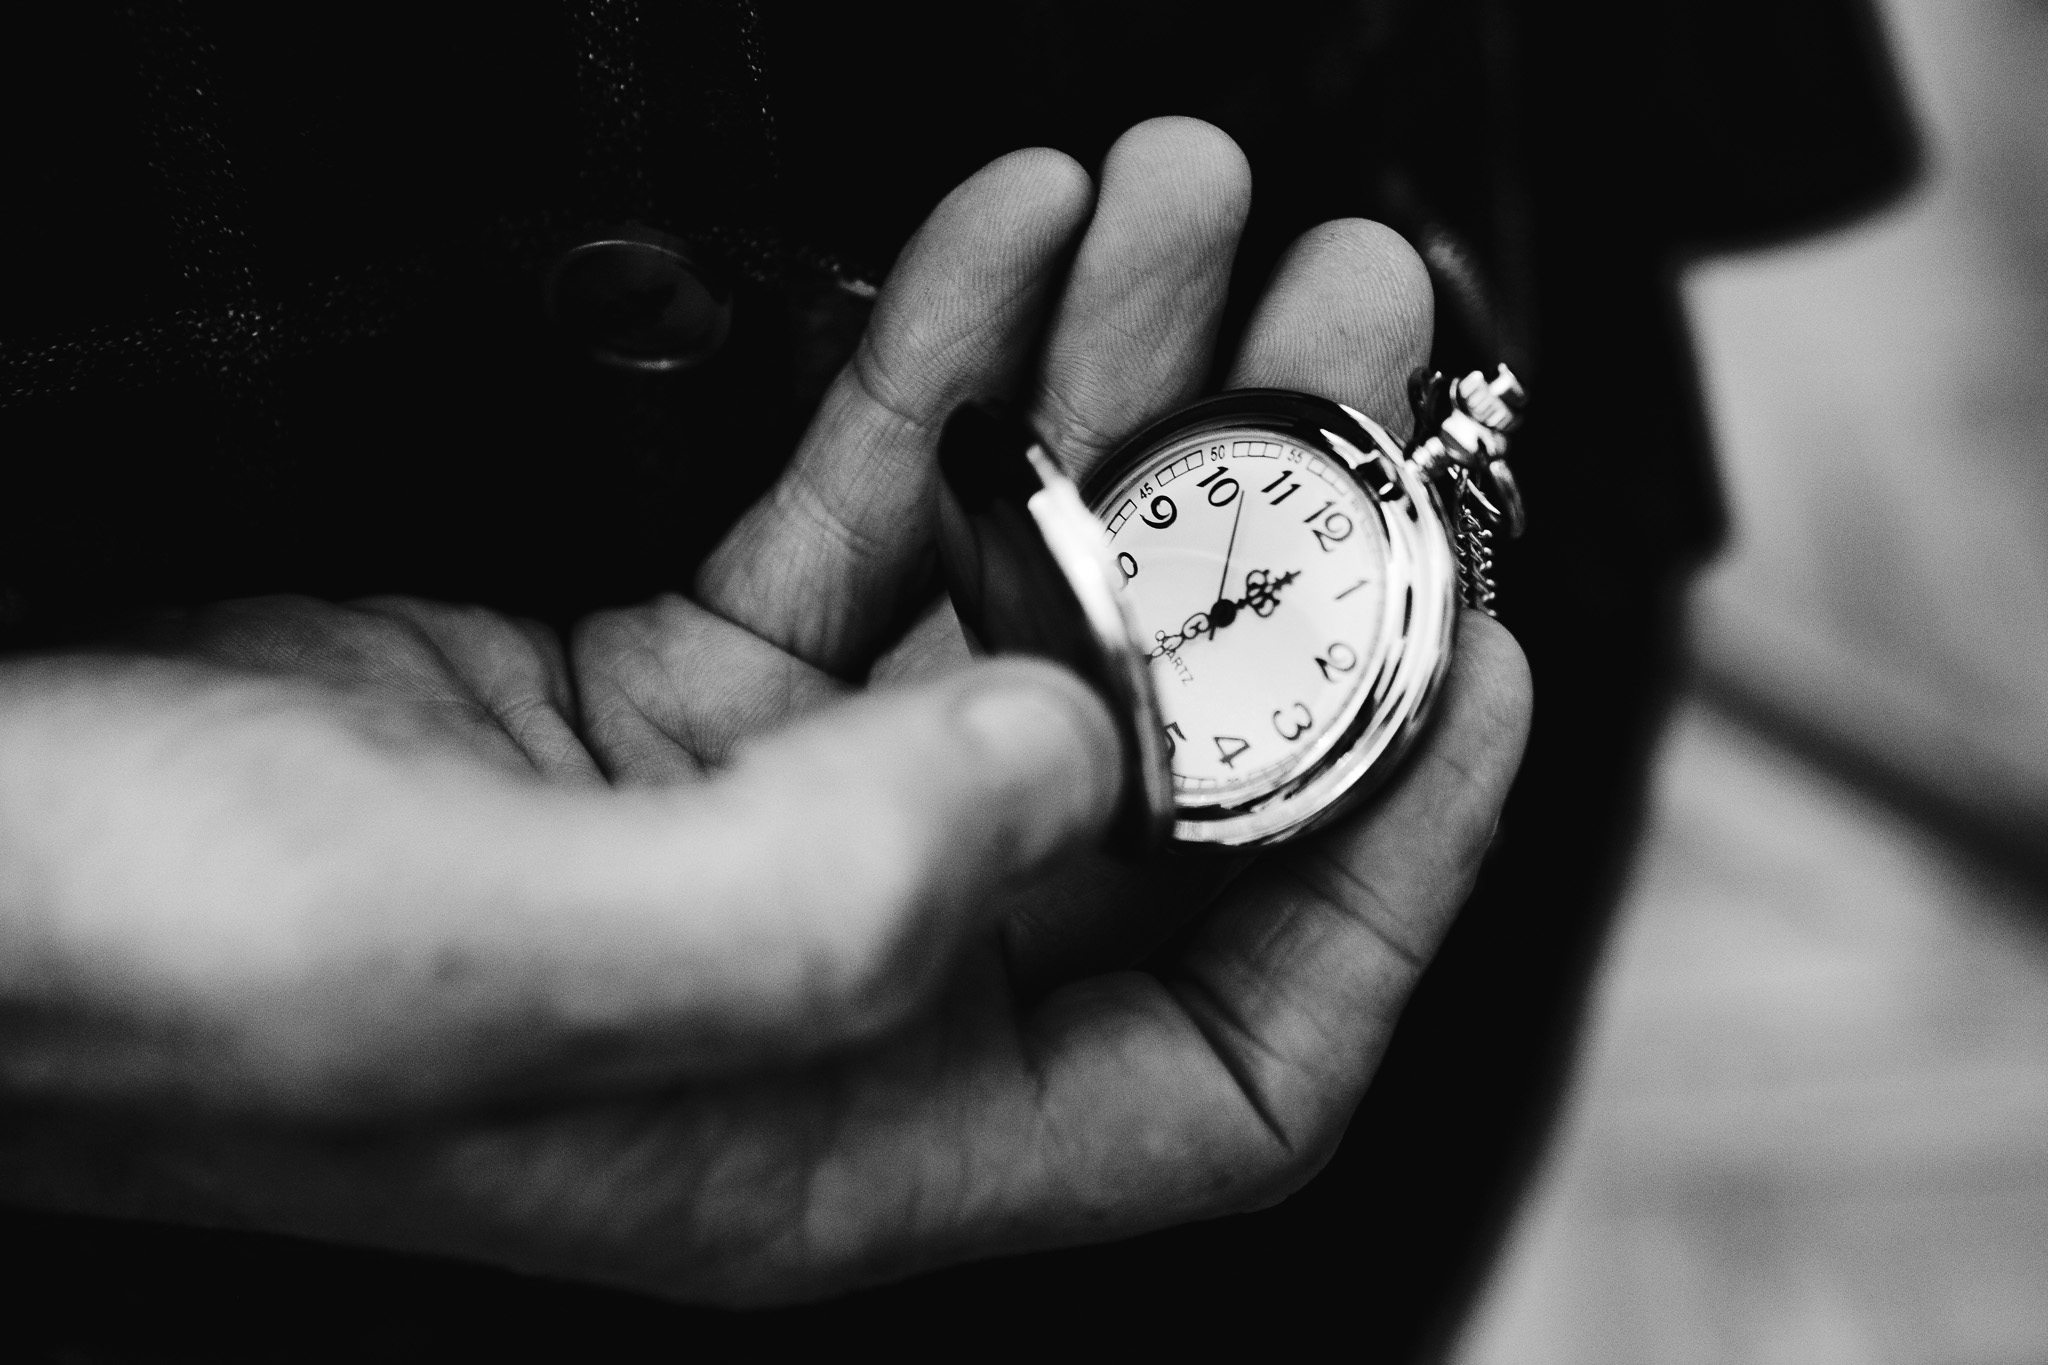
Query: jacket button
(638, 301)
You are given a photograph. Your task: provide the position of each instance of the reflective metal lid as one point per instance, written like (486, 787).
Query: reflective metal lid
(1029, 574)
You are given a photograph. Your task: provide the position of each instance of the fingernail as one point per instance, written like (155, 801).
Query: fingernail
(1040, 741)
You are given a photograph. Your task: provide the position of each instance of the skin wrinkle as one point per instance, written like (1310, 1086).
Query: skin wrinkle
(1213, 1023)
(544, 734)
(786, 691)
(899, 343)
(871, 375)
(1095, 375)
(280, 647)
(1273, 1002)
(481, 706)
(1079, 443)
(528, 688)
(687, 752)
(966, 352)
(803, 500)
(1411, 955)
(618, 760)
(775, 686)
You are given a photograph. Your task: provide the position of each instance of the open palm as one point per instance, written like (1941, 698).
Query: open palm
(771, 985)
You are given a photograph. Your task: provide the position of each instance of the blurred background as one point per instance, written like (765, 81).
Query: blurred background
(1809, 1121)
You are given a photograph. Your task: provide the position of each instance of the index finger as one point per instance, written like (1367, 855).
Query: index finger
(822, 564)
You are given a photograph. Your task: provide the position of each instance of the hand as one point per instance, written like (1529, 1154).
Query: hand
(855, 1005)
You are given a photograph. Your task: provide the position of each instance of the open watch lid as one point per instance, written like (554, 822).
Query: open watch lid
(1029, 573)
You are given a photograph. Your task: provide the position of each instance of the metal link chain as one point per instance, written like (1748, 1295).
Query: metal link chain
(1473, 542)
(1461, 444)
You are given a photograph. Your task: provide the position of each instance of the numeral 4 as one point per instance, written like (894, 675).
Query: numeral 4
(1228, 747)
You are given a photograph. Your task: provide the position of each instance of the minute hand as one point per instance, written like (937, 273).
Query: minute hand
(1224, 611)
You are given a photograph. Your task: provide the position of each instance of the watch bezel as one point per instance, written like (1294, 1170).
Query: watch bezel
(1409, 657)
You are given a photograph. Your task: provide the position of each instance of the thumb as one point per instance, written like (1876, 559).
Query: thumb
(870, 837)
(813, 895)
(230, 889)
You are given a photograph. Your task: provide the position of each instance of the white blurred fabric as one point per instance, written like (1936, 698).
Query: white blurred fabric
(1810, 1120)
(1879, 403)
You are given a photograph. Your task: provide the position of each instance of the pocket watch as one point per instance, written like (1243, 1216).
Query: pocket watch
(1264, 586)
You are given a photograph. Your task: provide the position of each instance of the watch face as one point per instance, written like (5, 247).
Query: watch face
(1256, 569)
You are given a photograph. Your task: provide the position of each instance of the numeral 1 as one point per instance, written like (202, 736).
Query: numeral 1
(1292, 489)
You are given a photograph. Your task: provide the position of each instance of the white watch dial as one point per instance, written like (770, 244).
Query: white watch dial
(1256, 569)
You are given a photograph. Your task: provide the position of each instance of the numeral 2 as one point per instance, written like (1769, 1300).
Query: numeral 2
(1338, 658)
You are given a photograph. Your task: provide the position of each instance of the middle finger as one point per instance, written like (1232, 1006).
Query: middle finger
(1134, 329)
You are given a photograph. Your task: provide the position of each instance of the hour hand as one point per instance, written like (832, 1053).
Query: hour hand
(1261, 596)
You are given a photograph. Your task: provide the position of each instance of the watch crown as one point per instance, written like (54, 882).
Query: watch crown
(1495, 404)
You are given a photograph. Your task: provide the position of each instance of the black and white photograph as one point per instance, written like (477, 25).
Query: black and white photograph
(726, 679)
